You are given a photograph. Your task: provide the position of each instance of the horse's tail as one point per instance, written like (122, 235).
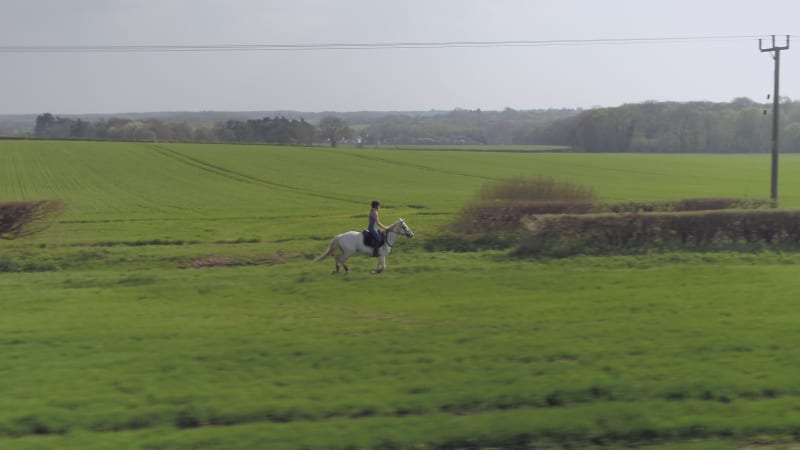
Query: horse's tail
(331, 249)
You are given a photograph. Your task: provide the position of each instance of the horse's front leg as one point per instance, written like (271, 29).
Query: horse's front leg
(381, 264)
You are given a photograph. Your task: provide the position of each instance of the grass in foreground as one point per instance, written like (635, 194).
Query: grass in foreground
(437, 353)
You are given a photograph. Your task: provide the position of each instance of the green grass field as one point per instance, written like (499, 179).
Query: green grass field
(175, 305)
(480, 148)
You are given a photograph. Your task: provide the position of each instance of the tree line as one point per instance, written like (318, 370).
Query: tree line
(739, 126)
(460, 126)
(278, 130)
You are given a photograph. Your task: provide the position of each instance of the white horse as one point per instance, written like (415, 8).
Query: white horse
(351, 242)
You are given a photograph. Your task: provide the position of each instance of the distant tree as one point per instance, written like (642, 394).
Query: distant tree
(80, 129)
(742, 103)
(304, 132)
(182, 132)
(334, 129)
(143, 134)
(49, 126)
(204, 134)
(43, 122)
(751, 131)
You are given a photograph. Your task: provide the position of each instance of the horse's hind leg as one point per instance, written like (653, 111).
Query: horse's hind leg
(342, 264)
(340, 260)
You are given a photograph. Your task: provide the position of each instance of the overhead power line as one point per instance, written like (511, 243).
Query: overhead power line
(360, 46)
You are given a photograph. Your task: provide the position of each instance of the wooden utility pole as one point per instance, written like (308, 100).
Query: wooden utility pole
(775, 100)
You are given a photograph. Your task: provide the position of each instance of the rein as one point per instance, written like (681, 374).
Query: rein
(387, 237)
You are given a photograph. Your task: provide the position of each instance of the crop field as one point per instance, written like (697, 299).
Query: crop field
(176, 305)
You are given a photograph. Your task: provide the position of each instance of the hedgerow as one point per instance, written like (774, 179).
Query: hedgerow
(592, 234)
(507, 215)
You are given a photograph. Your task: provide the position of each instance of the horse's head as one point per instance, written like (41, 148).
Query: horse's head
(400, 227)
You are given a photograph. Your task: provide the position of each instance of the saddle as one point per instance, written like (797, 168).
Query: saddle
(369, 241)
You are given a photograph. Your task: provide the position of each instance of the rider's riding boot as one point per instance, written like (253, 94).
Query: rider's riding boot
(375, 252)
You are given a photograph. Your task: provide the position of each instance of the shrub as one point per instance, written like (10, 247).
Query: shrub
(501, 205)
(505, 216)
(24, 218)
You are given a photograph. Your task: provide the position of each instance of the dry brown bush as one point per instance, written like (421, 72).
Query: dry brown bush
(24, 218)
(507, 216)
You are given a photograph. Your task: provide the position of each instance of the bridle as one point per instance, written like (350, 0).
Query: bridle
(406, 231)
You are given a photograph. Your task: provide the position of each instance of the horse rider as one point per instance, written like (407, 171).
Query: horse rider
(374, 221)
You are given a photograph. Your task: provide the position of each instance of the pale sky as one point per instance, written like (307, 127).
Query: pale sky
(528, 77)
